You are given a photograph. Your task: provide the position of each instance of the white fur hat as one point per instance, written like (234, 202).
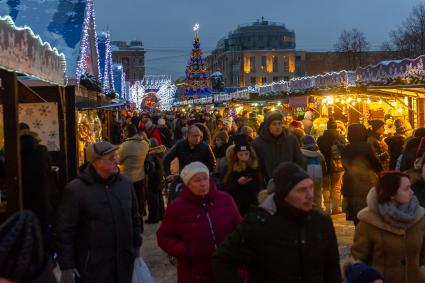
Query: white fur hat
(192, 169)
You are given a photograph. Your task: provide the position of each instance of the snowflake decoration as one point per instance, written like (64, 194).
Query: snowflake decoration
(44, 110)
(53, 135)
(37, 124)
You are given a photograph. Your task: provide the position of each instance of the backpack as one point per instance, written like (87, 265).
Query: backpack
(149, 165)
(336, 159)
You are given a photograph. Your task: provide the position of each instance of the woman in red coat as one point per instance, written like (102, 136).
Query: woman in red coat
(196, 223)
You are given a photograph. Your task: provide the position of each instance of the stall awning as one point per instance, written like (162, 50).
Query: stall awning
(116, 104)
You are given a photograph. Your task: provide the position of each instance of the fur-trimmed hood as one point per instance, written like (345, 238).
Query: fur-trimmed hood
(238, 166)
(371, 215)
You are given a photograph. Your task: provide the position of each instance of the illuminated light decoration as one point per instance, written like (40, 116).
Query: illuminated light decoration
(337, 99)
(400, 110)
(359, 99)
(119, 80)
(279, 103)
(406, 101)
(368, 100)
(197, 78)
(137, 94)
(105, 61)
(343, 101)
(85, 45)
(349, 99)
(380, 101)
(22, 51)
(166, 95)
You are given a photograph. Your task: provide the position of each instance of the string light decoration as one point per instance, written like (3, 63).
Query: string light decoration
(197, 77)
(137, 94)
(166, 95)
(89, 26)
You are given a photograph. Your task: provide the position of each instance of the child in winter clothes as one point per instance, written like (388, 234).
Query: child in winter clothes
(243, 179)
(316, 166)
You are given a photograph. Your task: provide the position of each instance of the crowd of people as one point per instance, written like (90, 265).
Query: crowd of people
(244, 201)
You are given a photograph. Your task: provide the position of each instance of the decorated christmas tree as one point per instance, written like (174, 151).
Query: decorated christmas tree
(197, 77)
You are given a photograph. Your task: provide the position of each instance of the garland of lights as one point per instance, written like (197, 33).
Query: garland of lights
(108, 78)
(58, 78)
(137, 94)
(89, 24)
(166, 95)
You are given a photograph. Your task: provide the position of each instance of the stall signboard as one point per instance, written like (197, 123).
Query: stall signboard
(298, 101)
(22, 51)
(390, 70)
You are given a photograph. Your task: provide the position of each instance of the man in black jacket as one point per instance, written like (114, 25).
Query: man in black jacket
(190, 150)
(284, 239)
(99, 223)
(275, 145)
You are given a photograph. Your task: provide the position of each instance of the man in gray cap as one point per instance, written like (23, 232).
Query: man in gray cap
(99, 223)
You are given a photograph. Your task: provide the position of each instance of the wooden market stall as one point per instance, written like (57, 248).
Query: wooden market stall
(21, 52)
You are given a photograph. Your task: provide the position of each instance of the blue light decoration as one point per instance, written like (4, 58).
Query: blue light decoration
(119, 81)
(197, 78)
(105, 62)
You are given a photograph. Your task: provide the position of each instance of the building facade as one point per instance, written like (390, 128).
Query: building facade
(331, 61)
(257, 53)
(132, 57)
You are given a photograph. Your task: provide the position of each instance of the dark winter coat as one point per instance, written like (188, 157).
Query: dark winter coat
(419, 189)
(278, 243)
(166, 136)
(409, 153)
(45, 275)
(39, 191)
(193, 228)
(181, 150)
(326, 141)
(272, 151)
(245, 196)
(99, 228)
(361, 174)
(395, 148)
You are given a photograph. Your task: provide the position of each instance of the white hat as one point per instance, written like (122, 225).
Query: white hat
(192, 169)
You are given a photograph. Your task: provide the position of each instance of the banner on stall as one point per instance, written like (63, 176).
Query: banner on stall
(392, 70)
(22, 51)
(42, 119)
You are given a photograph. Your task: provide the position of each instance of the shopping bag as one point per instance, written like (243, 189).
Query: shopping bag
(141, 273)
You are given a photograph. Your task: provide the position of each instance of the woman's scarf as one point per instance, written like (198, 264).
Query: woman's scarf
(403, 216)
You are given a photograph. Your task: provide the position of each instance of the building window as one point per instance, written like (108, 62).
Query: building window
(285, 64)
(292, 64)
(275, 66)
(263, 63)
(246, 65)
(263, 80)
(252, 63)
(253, 81)
(275, 79)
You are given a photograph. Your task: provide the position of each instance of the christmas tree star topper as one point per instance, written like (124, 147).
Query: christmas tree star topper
(196, 27)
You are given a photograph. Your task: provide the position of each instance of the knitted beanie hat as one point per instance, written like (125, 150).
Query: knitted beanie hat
(192, 169)
(21, 247)
(286, 176)
(376, 124)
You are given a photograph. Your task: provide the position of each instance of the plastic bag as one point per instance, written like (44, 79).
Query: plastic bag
(141, 273)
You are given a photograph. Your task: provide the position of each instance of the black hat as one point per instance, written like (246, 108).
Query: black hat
(286, 176)
(21, 247)
(376, 124)
(332, 124)
(242, 143)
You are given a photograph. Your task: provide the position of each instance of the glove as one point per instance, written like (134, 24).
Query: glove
(68, 276)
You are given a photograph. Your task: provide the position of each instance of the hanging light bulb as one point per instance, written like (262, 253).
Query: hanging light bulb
(359, 99)
(337, 99)
(380, 101)
(400, 110)
(353, 103)
(368, 100)
(349, 99)
(343, 101)
(279, 103)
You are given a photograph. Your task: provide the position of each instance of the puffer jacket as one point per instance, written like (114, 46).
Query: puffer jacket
(202, 152)
(315, 162)
(272, 151)
(99, 228)
(279, 243)
(396, 253)
(193, 228)
(133, 152)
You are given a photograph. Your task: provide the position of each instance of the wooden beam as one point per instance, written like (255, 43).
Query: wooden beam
(11, 141)
(71, 132)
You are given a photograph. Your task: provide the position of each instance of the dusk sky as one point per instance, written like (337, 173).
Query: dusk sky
(165, 26)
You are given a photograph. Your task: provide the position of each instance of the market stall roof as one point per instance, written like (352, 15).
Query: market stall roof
(115, 103)
(417, 90)
(23, 52)
(67, 25)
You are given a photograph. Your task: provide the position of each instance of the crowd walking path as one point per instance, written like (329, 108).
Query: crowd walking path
(163, 272)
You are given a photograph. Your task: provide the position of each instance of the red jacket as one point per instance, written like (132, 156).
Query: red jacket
(154, 133)
(193, 228)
